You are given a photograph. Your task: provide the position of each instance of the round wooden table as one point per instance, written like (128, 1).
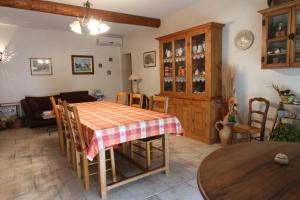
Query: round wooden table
(248, 171)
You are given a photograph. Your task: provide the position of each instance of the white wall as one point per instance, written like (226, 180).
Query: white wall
(15, 77)
(237, 15)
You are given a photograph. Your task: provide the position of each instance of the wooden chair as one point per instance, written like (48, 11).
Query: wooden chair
(136, 100)
(260, 120)
(121, 98)
(60, 129)
(158, 104)
(82, 164)
(67, 133)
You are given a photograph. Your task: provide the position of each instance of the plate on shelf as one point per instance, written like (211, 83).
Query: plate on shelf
(198, 92)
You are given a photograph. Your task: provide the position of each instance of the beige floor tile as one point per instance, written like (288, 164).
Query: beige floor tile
(7, 141)
(15, 187)
(182, 192)
(7, 133)
(193, 183)
(175, 178)
(46, 179)
(146, 187)
(26, 167)
(72, 189)
(9, 153)
(50, 193)
(116, 194)
(7, 175)
(32, 167)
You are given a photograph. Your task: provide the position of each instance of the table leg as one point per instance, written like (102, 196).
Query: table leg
(102, 174)
(166, 153)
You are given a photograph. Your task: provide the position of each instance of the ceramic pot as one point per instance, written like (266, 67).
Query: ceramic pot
(195, 48)
(200, 48)
(168, 53)
(203, 46)
(225, 133)
(180, 51)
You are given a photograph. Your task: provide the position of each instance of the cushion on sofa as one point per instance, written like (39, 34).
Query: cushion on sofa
(38, 104)
(74, 97)
(33, 104)
(37, 115)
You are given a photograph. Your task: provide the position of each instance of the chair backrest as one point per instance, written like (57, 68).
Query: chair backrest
(63, 115)
(75, 126)
(136, 100)
(159, 104)
(261, 114)
(121, 98)
(57, 114)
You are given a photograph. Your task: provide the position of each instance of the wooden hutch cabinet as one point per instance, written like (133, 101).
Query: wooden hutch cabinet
(190, 76)
(281, 36)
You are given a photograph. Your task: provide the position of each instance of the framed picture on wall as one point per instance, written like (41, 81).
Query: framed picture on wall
(150, 59)
(82, 64)
(41, 66)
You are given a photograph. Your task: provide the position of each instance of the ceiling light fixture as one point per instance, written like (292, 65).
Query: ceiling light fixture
(88, 24)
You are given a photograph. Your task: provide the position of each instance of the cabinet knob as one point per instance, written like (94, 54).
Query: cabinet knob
(291, 36)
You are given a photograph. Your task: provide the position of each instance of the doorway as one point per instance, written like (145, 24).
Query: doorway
(126, 72)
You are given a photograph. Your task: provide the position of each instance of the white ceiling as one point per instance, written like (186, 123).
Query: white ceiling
(148, 8)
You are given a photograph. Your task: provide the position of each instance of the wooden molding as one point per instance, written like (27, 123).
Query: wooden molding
(280, 7)
(79, 11)
(203, 26)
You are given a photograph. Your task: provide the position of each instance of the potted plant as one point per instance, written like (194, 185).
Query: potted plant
(285, 95)
(286, 132)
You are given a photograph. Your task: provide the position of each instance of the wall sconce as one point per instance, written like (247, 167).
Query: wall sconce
(1, 56)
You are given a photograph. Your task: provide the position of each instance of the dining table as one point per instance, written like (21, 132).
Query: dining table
(106, 124)
(248, 171)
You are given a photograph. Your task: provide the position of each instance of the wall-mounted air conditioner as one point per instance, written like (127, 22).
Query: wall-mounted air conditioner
(110, 40)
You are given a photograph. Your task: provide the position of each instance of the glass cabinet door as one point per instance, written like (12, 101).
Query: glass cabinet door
(198, 49)
(180, 65)
(296, 42)
(278, 40)
(168, 66)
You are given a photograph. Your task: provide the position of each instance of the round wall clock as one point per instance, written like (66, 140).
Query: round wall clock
(244, 39)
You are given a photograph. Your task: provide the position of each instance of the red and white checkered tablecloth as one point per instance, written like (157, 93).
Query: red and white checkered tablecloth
(106, 124)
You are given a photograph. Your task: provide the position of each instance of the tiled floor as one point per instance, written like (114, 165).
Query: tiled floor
(31, 167)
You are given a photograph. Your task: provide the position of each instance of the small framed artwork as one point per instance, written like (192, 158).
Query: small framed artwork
(150, 59)
(82, 64)
(41, 66)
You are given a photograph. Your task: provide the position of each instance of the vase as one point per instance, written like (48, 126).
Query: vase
(225, 133)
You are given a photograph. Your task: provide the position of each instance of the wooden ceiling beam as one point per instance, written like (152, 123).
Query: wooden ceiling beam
(78, 11)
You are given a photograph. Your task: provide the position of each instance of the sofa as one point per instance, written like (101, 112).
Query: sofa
(33, 107)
